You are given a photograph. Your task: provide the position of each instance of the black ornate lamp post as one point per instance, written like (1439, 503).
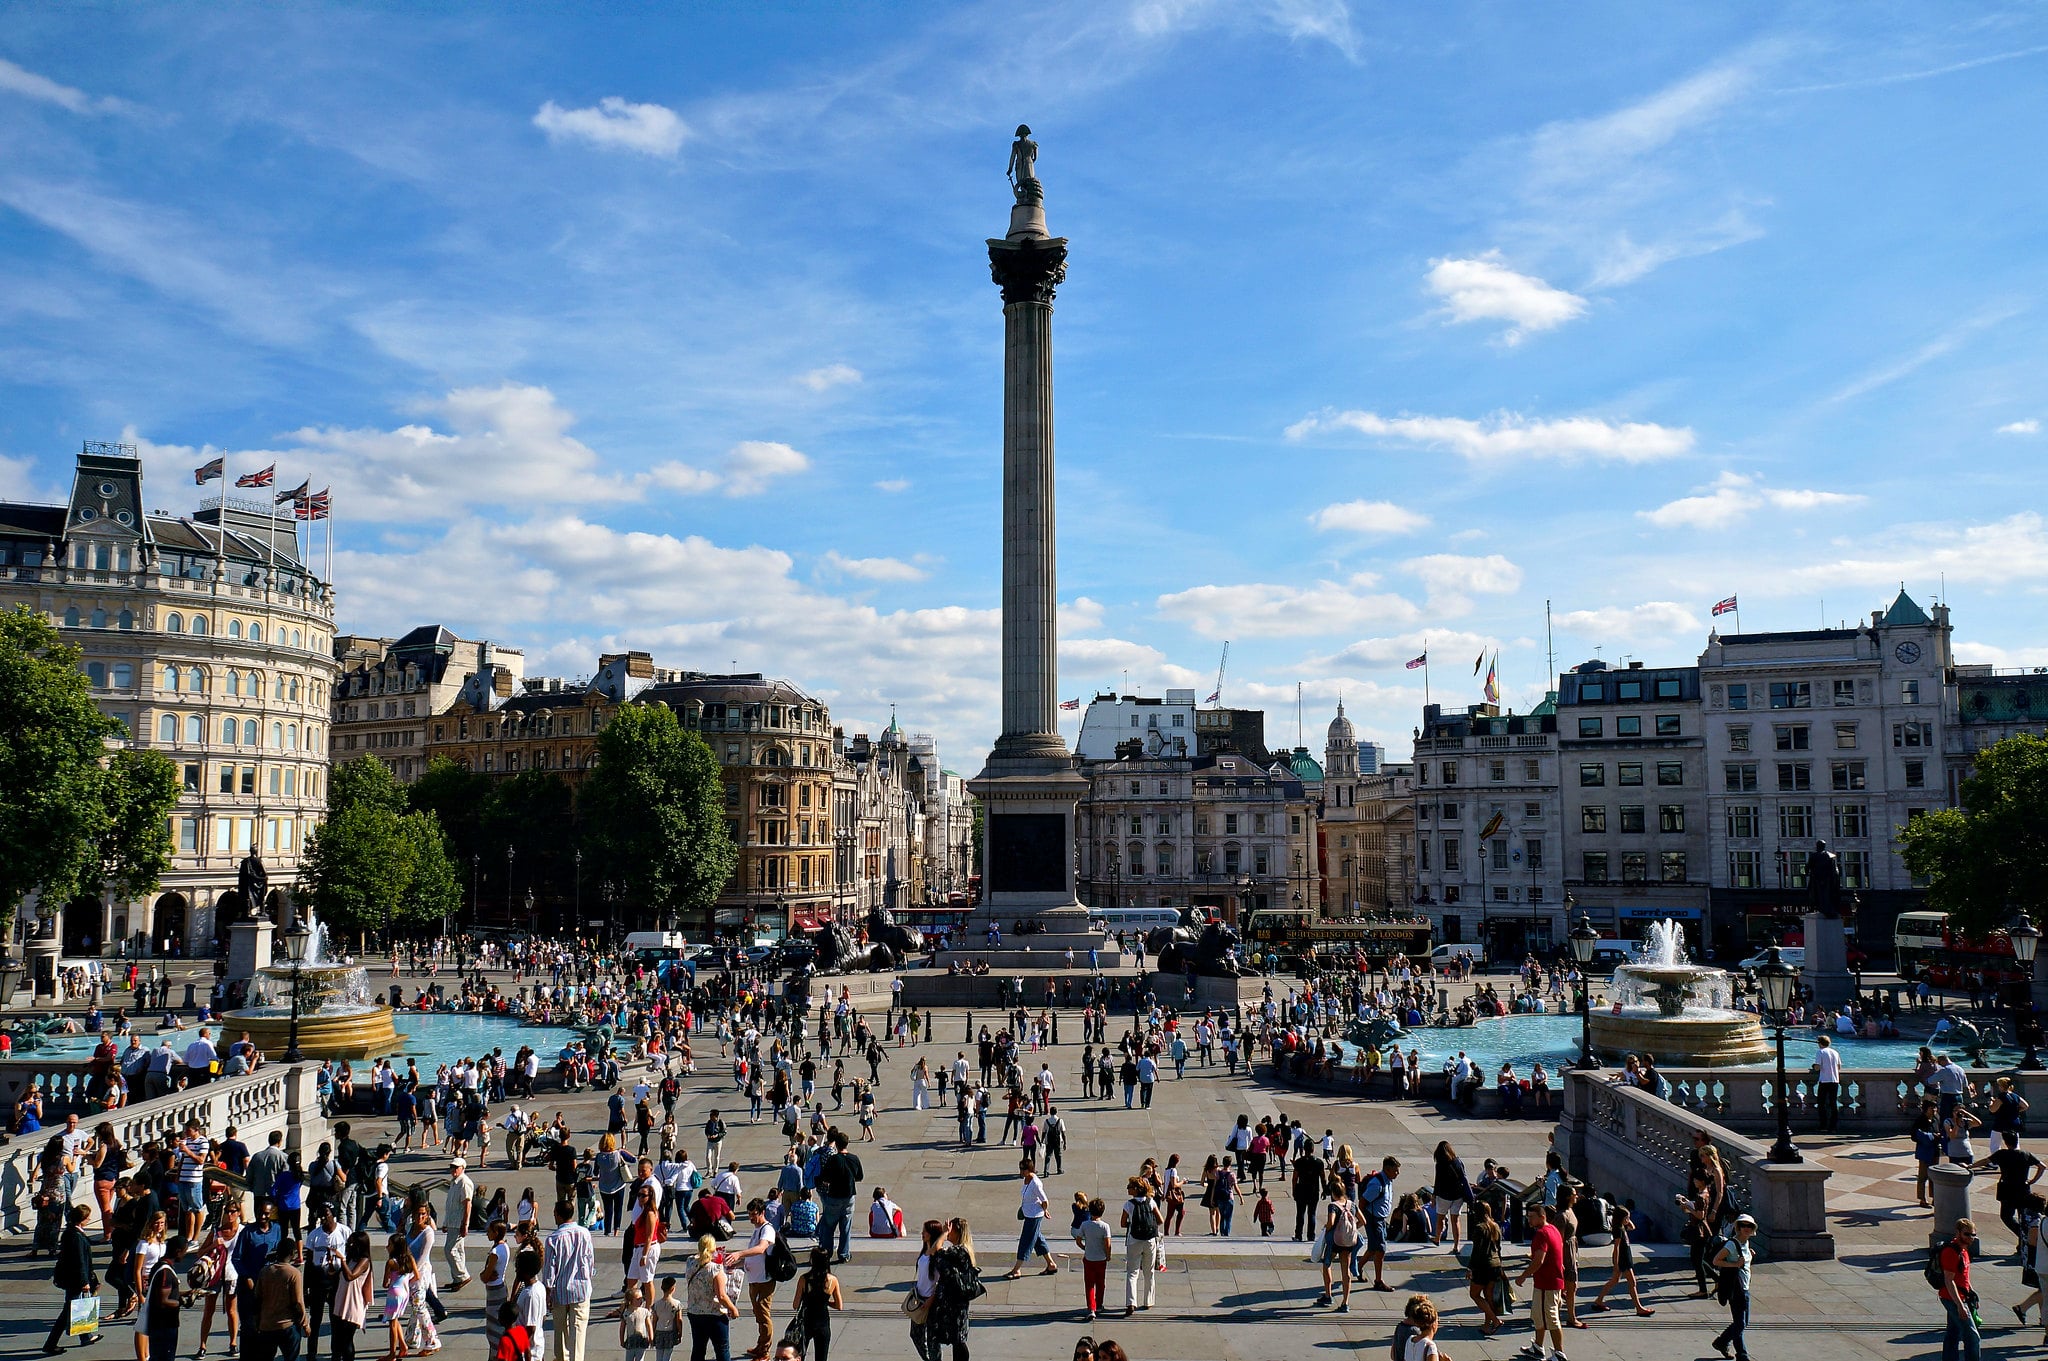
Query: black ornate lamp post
(579, 892)
(2026, 943)
(1775, 980)
(296, 939)
(1584, 938)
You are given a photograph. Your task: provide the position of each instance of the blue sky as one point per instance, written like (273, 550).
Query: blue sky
(672, 327)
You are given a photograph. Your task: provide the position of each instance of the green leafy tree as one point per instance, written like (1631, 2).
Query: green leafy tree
(535, 812)
(652, 812)
(1988, 858)
(365, 780)
(432, 890)
(373, 864)
(71, 817)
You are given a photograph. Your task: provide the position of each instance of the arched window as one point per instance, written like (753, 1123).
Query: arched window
(234, 628)
(198, 626)
(295, 639)
(227, 731)
(291, 734)
(96, 674)
(127, 619)
(99, 619)
(195, 679)
(171, 679)
(248, 732)
(102, 557)
(277, 691)
(175, 623)
(167, 728)
(277, 735)
(295, 689)
(234, 681)
(255, 633)
(71, 617)
(540, 759)
(122, 675)
(195, 730)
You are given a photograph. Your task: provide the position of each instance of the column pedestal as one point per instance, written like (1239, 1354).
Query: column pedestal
(1827, 961)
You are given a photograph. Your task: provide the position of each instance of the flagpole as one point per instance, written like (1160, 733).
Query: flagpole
(1425, 673)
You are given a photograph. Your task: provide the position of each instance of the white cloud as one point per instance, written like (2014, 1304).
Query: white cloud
(1451, 580)
(2026, 427)
(1322, 20)
(1263, 610)
(1368, 517)
(1733, 497)
(1481, 288)
(1397, 650)
(1590, 148)
(893, 485)
(614, 122)
(830, 376)
(1625, 260)
(1953, 338)
(835, 563)
(682, 477)
(753, 464)
(21, 480)
(19, 80)
(1507, 435)
(2003, 553)
(1623, 623)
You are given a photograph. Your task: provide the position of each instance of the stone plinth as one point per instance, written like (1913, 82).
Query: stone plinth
(1827, 961)
(1950, 1187)
(249, 947)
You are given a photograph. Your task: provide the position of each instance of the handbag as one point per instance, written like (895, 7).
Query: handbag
(917, 1308)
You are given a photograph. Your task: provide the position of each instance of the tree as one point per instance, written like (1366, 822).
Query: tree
(373, 865)
(653, 813)
(534, 811)
(1989, 858)
(71, 817)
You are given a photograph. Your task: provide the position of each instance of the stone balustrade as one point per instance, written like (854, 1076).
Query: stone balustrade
(276, 1097)
(1882, 1102)
(1631, 1144)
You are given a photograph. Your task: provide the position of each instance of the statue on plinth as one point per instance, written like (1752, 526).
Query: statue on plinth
(1824, 881)
(1023, 168)
(254, 882)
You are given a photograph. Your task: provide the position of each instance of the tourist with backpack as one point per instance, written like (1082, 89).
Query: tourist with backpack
(1339, 1241)
(1142, 1223)
(1731, 1262)
(1948, 1270)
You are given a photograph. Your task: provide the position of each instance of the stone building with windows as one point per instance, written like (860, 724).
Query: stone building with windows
(1992, 705)
(390, 690)
(1841, 735)
(1488, 865)
(210, 639)
(1634, 794)
(1219, 831)
(1366, 826)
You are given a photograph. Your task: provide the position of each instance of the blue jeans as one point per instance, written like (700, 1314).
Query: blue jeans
(1738, 1320)
(1961, 1341)
(1130, 1093)
(1229, 1208)
(1031, 1240)
(837, 1213)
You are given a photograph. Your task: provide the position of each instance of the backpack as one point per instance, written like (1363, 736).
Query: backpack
(1402, 1332)
(1144, 1219)
(781, 1262)
(1724, 1277)
(1931, 1269)
(1344, 1233)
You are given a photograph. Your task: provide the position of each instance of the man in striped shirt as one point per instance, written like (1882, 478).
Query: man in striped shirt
(191, 1159)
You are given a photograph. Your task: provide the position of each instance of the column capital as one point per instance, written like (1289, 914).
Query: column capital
(1028, 271)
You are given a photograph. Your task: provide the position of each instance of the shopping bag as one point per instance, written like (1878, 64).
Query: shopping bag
(85, 1315)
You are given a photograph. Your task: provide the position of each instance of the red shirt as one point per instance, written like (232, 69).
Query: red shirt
(1549, 1272)
(1955, 1260)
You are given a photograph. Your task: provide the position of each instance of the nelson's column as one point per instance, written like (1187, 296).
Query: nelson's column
(1029, 787)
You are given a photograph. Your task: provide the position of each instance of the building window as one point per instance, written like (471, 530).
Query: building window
(1738, 696)
(1846, 775)
(1497, 771)
(1592, 774)
(1630, 725)
(195, 730)
(1671, 866)
(1745, 869)
(248, 779)
(1532, 770)
(1742, 821)
(1852, 821)
(1792, 866)
(1500, 894)
(1593, 818)
(1790, 736)
(1670, 817)
(1628, 689)
(1855, 869)
(1916, 775)
(1635, 867)
(1631, 817)
(167, 729)
(1532, 852)
(1667, 687)
(1450, 812)
(1794, 775)
(1532, 812)
(1791, 695)
(1589, 727)
(1912, 734)
(1845, 736)
(1909, 690)
(1628, 773)
(1795, 821)
(1738, 738)
(1845, 692)
(1450, 772)
(1451, 854)
(1739, 777)
(1670, 773)
(198, 626)
(1594, 864)
(1592, 692)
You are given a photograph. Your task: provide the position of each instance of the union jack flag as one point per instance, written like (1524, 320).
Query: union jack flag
(1725, 607)
(261, 478)
(1423, 660)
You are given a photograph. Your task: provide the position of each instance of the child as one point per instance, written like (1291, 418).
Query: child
(1419, 1322)
(636, 1323)
(1263, 1213)
(1092, 1236)
(668, 1321)
(1619, 1223)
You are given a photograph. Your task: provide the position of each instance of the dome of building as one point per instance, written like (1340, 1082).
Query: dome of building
(1341, 730)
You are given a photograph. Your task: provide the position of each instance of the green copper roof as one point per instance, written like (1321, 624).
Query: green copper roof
(1304, 765)
(1904, 611)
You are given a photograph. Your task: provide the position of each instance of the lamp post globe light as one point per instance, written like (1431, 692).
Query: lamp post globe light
(296, 939)
(2026, 943)
(1774, 980)
(1584, 938)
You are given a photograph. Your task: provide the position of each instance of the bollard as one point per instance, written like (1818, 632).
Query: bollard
(969, 1037)
(1951, 1188)
(190, 1004)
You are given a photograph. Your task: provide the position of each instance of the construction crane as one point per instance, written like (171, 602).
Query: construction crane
(1217, 698)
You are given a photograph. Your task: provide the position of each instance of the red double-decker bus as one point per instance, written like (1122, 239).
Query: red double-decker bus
(1927, 948)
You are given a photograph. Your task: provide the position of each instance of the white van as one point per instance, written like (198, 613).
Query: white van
(656, 940)
(1793, 955)
(1445, 955)
(1133, 920)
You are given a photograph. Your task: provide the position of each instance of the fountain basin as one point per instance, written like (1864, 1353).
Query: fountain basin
(329, 1033)
(1695, 1039)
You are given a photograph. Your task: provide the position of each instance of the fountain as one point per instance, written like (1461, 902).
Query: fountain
(338, 1015)
(1678, 1012)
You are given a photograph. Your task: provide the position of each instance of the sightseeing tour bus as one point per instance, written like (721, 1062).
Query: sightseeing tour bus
(1296, 932)
(1925, 947)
